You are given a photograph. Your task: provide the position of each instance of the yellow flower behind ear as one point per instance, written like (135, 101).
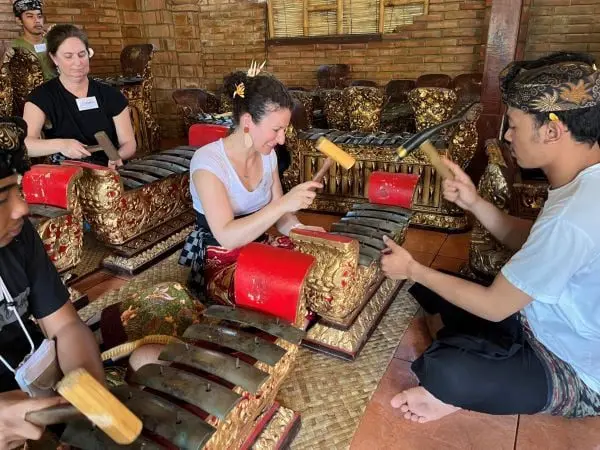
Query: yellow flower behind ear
(240, 90)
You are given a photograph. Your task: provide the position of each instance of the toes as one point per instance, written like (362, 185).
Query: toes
(422, 420)
(404, 408)
(414, 418)
(399, 400)
(408, 415)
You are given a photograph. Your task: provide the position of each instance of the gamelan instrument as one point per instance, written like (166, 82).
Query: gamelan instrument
(213, 388)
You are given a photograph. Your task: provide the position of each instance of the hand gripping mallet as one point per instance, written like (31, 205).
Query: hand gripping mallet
(334, 154)
(421, 140)
(90, 398)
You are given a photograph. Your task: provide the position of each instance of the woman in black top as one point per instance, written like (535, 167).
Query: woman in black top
(71, 108)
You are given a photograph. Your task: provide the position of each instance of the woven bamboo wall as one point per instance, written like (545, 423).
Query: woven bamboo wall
(295, 18)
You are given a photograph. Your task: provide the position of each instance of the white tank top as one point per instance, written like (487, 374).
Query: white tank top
(212, 157)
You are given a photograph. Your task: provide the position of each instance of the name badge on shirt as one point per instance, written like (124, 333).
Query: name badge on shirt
(87, 103)
(40, 48)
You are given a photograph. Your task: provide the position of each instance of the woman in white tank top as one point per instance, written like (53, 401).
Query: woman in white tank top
(235, 186)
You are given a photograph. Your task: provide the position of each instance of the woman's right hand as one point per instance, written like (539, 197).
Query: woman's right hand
(301, 196)
(461, 190)
(73, 149)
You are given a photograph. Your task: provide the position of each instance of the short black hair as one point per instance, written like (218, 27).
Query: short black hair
(60, 33)
(262, 93)
(583, 124)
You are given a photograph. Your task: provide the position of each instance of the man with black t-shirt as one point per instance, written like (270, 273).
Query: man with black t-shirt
(36, 290)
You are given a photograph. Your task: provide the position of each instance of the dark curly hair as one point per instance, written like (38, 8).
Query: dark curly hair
(262, 94)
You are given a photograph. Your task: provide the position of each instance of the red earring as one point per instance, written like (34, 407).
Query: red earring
(246, 129)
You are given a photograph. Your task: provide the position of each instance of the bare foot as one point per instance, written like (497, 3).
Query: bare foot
(419, 405)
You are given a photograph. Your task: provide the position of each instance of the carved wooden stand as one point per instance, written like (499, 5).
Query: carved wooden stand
(346, 287)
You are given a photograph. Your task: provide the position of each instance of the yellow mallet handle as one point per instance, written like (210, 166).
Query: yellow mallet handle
(434, 157)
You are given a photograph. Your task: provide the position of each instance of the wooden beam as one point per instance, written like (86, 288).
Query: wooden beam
(501, 49)
(305, 17)
(381, 15)
(321, 8)
(333, 39)
(388, 3)
(340, 16)
(270, 19)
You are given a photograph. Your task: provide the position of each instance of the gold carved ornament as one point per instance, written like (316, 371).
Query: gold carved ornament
(25, 73)
(363, 106)
(117, 215)
(63, 236)
(336, 284)
(486, 254)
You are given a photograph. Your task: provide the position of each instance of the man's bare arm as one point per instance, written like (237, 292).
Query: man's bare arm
(494, 303)
(509, 230)
(76, 345)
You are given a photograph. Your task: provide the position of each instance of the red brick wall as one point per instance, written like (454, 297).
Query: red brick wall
(196, 42)
(199, 41)
(100, 20)
(563, 25)
(8, 27)
(447, 40)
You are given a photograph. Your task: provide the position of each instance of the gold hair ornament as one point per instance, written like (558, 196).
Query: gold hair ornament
(553, 117)
(240, 90)
(254, 69)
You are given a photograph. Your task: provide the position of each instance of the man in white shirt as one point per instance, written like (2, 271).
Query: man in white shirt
(529, 342)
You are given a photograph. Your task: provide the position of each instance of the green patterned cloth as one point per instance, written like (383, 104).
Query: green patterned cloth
(164, 308)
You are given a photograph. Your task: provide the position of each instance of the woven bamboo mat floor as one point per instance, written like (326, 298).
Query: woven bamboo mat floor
(330, 394)
(91, 259)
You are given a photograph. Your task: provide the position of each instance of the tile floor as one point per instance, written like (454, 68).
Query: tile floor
(382, 427)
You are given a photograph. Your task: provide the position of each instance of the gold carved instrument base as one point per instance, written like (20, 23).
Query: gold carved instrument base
(346, 287)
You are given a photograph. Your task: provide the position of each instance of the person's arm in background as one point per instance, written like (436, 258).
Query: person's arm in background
(51, 306)
(75, 343)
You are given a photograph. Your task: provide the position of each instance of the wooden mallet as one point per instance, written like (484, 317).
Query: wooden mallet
(107, 146)
(470, 114)
(90, 398)
(334, 154)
